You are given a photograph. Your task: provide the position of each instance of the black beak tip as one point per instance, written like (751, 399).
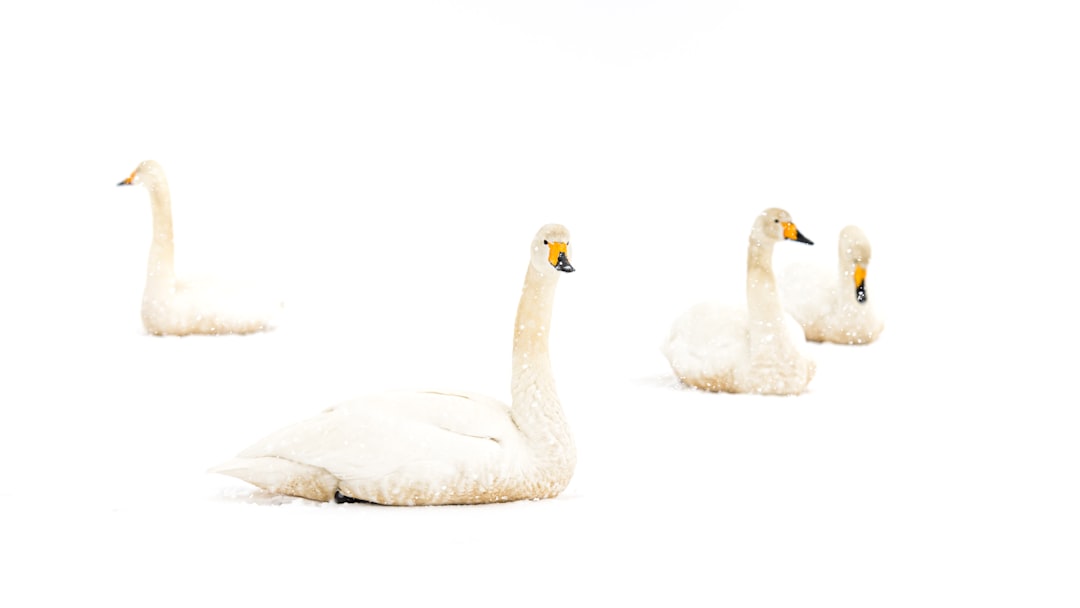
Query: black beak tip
(860, 294)
(563, 264)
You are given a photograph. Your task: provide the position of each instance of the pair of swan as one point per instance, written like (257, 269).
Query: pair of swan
(761, 347)
(398, 448)
(433, 447)
(180, 307)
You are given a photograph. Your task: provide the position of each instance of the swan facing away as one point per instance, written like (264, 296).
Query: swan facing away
(834, 306)
(434, 447)
(180, 307)
(756, 348)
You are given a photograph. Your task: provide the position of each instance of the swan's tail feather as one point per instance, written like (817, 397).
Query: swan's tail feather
(282, 476)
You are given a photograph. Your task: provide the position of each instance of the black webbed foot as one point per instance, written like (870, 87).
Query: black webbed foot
(340, 498)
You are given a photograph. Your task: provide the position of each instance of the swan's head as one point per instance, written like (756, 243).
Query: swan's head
(776, 225)
(854, 250)
(149, 173)
(551, 250)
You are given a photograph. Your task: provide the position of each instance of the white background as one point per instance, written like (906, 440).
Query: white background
(385, 164)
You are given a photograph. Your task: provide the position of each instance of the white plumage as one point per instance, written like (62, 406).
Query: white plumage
(203, 305)
(756, 348)
(835, 305)
(433, 447)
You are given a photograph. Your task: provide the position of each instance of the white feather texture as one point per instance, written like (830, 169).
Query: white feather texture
(835, 305)
(192, 305)
(436, 447)
(756, 348)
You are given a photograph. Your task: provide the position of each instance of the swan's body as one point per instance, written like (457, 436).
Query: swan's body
(834, 306)
(437, 448)
(172, 306)
(755, 348)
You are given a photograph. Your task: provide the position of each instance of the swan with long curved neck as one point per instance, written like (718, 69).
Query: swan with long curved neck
(756, 348)
(835, 306)
(434, 447)
(181, 307)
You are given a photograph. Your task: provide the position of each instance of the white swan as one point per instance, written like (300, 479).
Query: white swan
(181, 307)
(752, 349)
(433, 447)
(834, 306)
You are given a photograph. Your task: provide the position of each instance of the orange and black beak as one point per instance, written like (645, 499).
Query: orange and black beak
(792, 233)
(860, 284)
(557, 256)
(130, 180)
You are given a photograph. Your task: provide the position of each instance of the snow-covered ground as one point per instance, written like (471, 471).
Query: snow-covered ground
(385, 164)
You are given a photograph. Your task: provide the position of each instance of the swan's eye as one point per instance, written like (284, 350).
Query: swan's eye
(545, 241)
(776, 221)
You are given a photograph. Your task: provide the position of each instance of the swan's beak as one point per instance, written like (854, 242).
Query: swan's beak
(130, 180)
(557, 257)
(792, 233)
(860, 284)
(563, 264)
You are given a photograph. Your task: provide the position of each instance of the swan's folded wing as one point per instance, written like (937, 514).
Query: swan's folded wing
(465, 413)
(375, 436)
(708, 338)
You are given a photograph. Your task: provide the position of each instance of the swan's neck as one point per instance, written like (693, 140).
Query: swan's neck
(160, 268)
(762, 301)
(535, 404)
